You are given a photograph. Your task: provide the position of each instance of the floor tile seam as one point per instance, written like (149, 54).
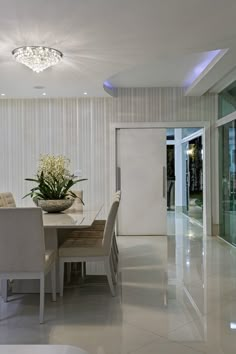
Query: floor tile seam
(158, 334)
(181, 326)
(143, 346)
(208, 313)
(143, 329)
(167, 341)
(191, 347)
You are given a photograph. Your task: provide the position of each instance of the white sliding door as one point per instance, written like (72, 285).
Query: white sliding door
(141, 158)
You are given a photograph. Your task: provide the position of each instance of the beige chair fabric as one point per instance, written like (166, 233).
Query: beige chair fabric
(77, 250)
(2, 202)
(22, 248)
(69, 246)
(94, 232)
(98, 225)
(9, 200)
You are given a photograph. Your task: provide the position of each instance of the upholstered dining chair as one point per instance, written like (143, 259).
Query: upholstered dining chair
(22, 249)
(2, 201)
(93, 250)
(95, 231)
(7, 200)
(98, 225)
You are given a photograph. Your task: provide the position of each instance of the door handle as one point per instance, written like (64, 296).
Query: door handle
(164, 182)
(118, 179)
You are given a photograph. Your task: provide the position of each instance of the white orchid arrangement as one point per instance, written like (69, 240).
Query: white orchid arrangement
(53, 178)
(51, 165)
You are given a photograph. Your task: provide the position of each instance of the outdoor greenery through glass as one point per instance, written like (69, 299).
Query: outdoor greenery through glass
(227, 181)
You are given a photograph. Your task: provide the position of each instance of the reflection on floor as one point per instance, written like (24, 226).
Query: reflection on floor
(179, 223)
(195, 212)
(198, 275)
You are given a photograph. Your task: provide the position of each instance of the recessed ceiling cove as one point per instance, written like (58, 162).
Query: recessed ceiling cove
(131, 42)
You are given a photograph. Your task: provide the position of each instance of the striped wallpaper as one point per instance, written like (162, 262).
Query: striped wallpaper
(79, 128)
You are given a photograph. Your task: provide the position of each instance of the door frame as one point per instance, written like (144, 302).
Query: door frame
(206, 140)
(187, 140)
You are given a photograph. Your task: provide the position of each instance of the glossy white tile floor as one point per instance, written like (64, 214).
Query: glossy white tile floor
(197, 275)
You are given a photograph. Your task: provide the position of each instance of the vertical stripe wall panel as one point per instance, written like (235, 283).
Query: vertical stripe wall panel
(80, 129)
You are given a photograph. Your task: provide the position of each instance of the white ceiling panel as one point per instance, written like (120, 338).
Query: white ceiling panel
(151, 42)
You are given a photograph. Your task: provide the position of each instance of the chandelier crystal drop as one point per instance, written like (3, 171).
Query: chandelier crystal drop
(37, 58)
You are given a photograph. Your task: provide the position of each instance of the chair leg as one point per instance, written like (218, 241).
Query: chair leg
(68, 272)
(113, 272)
(61, 274)
(115, 249)
(114, 260)
(115, 243)
(83, 266)
(42, 296)
(4, 286)
(74, 267)
(53, 280)
(109, 274)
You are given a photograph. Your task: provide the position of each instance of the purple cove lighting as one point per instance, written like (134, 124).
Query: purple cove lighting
(108, 85)
(207, 58)
(111, 90)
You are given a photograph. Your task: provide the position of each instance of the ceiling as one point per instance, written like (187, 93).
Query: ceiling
(125, 42)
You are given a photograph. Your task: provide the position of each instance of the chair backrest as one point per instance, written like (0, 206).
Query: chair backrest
(117, 195)
(8, 199)
(22, 247)
(110, 226)
(3, 203)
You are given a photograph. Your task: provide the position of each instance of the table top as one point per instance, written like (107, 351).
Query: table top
(71, 218)
(40, 349)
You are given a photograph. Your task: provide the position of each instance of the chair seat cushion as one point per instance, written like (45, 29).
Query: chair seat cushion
(81, 248)
(86, 234)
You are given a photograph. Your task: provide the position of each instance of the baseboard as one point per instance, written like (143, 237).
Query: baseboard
(228, 243)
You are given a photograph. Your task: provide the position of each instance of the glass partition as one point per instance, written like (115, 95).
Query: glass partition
(227, 181)
(227, 100)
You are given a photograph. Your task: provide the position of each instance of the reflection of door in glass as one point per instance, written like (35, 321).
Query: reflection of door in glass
(187, 180)
(170, 156)
(227, 178)
(194, 178)
(185, 176)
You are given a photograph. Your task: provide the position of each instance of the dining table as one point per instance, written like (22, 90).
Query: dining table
(54, 223)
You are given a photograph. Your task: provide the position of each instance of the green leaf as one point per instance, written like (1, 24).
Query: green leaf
(51, 187)
(32, 180)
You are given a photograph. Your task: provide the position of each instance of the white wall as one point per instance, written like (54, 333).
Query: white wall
(79, 128)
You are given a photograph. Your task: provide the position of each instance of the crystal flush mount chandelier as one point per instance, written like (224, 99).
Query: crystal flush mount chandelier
(37, 58)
